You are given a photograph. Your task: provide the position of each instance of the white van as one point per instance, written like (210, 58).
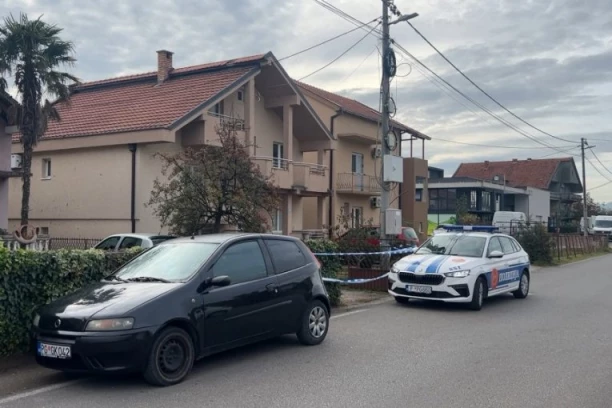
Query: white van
(508, 221)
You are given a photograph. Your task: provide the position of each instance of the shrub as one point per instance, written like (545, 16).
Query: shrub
(537, 242)
(330, 266)
(29, 279)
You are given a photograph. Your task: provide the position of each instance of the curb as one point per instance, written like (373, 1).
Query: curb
(342, 309)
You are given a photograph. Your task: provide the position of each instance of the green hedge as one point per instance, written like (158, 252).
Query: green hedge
(330, 265)
(30, 279)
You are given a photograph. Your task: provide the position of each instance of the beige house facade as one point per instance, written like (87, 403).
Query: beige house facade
(355, 164)
(5, 157)
(93, 171)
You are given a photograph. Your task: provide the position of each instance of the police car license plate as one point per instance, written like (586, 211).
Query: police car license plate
(419, 289)
(54, 351)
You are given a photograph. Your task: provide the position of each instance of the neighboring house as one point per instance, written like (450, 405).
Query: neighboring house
(355, 186)
(482, 198)
(5, 157)
(94, 170)
(559, 177)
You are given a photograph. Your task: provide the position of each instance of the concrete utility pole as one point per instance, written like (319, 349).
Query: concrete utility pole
(389, 67)
(583, 144)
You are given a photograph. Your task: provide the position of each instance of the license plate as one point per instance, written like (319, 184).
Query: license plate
(54, 351)
(419, 289)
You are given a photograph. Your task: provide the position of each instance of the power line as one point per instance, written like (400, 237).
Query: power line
(482, 90)
(597, 169)
(359, 65)
(601, 185)
(602, 165)
(357, 22)
(339, 56)
(496, 147)
(329, 40)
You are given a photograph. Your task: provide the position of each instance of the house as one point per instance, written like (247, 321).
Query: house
(5, 157)
(94, 170)
(545, 189)
(481, 197)
(355, 164)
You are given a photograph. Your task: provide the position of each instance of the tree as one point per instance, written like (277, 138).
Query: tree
(31, 51)
(592, 208)
(211, 185)
(463, 216)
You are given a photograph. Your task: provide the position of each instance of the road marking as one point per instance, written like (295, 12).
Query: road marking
(348, 313)
(37, 391)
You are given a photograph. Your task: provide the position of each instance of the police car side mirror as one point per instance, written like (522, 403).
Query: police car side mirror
(496, 254)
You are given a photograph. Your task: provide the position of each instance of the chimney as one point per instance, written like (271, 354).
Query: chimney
(164, 65)
(514, 160)
(529, 158)
(486, 163)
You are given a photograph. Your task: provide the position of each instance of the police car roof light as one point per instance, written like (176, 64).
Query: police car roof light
(473, 228)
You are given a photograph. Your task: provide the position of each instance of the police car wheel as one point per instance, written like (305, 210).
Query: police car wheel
(478, 295)
(523, 290)
(402, 300)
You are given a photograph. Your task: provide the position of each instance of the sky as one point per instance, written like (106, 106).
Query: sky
(547, 61)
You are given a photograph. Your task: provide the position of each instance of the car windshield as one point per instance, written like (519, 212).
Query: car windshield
(168, 262)
(458, 245)
(603, 223)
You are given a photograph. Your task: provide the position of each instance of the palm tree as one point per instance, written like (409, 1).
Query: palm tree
(30, 52)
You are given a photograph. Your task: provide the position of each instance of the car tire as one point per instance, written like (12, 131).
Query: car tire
(478, 294)
(314, 325)
(402, 300)
(524, 283)
(171, 358)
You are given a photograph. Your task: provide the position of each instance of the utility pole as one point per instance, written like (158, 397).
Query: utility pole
(389, 68)
(583, 144)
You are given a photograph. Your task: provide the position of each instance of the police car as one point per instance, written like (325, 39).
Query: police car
(465, 264)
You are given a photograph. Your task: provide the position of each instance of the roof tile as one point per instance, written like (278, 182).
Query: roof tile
(519, 173)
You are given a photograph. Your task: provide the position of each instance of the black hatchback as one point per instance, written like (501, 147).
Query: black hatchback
(183, 300)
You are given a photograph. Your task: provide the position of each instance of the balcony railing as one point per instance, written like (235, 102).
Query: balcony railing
(228, 122)
(309, 176)
(357, 183)
(565, 196)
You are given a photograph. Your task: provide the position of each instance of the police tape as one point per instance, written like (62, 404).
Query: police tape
(391, 252)
(354, 281)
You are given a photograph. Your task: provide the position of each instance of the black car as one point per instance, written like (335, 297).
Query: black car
(183, 300)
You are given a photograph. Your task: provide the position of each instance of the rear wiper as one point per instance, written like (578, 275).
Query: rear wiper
(147, 279)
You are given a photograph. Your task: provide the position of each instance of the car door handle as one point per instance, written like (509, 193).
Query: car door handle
(272, 288)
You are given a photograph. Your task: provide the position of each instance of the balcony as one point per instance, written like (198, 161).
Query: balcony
(308, 177)
(565, 196)
(357, 184)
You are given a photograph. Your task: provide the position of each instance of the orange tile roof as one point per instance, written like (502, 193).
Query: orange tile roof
(355, 107)
(136, 102)
(519, 173)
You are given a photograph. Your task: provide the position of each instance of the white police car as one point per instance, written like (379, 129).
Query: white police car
(466, 264)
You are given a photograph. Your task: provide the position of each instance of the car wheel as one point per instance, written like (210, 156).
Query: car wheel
(402, 300)
(314, 325)
(478, 295)
(523, 290)
(171, 358)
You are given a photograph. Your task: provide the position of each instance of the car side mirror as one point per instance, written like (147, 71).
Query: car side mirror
(220, 281)
(496, 254)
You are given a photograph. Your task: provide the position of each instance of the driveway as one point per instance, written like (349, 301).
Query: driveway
(549, 350)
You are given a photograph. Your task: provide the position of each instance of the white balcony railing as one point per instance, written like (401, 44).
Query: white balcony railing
(230, 122)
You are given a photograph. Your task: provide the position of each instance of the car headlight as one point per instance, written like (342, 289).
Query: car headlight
(457, 274)
(110, 324)
(394, 269)
(36, 320)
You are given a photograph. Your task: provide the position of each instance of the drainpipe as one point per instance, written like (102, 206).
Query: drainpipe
(330, 214)
(132, 148)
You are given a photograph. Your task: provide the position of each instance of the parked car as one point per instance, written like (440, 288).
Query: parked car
(462, 267)
(118, 242)
(182, 300)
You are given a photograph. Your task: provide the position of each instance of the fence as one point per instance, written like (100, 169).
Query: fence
(72, 243)
(573, 245)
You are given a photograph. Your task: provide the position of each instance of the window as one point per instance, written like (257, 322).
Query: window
(130, 242)
(278, 155)
(286, 255)
(356, 217)
(419, 191)
(507, 246)
(173, 262)
(516, 245)
(433, 199)
(418, 194)
(494, 245)
(217, 109)
(357, 163)
(46, 168)
(44, 230)
(108, 243)
(277, 221)
(240, 96)
(451, 200)
(242, 262)
(486, 201)
(473, 200)
(457, 245)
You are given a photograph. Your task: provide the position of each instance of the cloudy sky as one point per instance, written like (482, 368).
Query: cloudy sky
(548, 61)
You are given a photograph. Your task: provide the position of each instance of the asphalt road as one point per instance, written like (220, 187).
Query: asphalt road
(549, 350)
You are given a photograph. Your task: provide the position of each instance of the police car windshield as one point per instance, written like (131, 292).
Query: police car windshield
(458, 245)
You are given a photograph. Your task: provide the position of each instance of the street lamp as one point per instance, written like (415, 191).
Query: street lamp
(404, 17)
